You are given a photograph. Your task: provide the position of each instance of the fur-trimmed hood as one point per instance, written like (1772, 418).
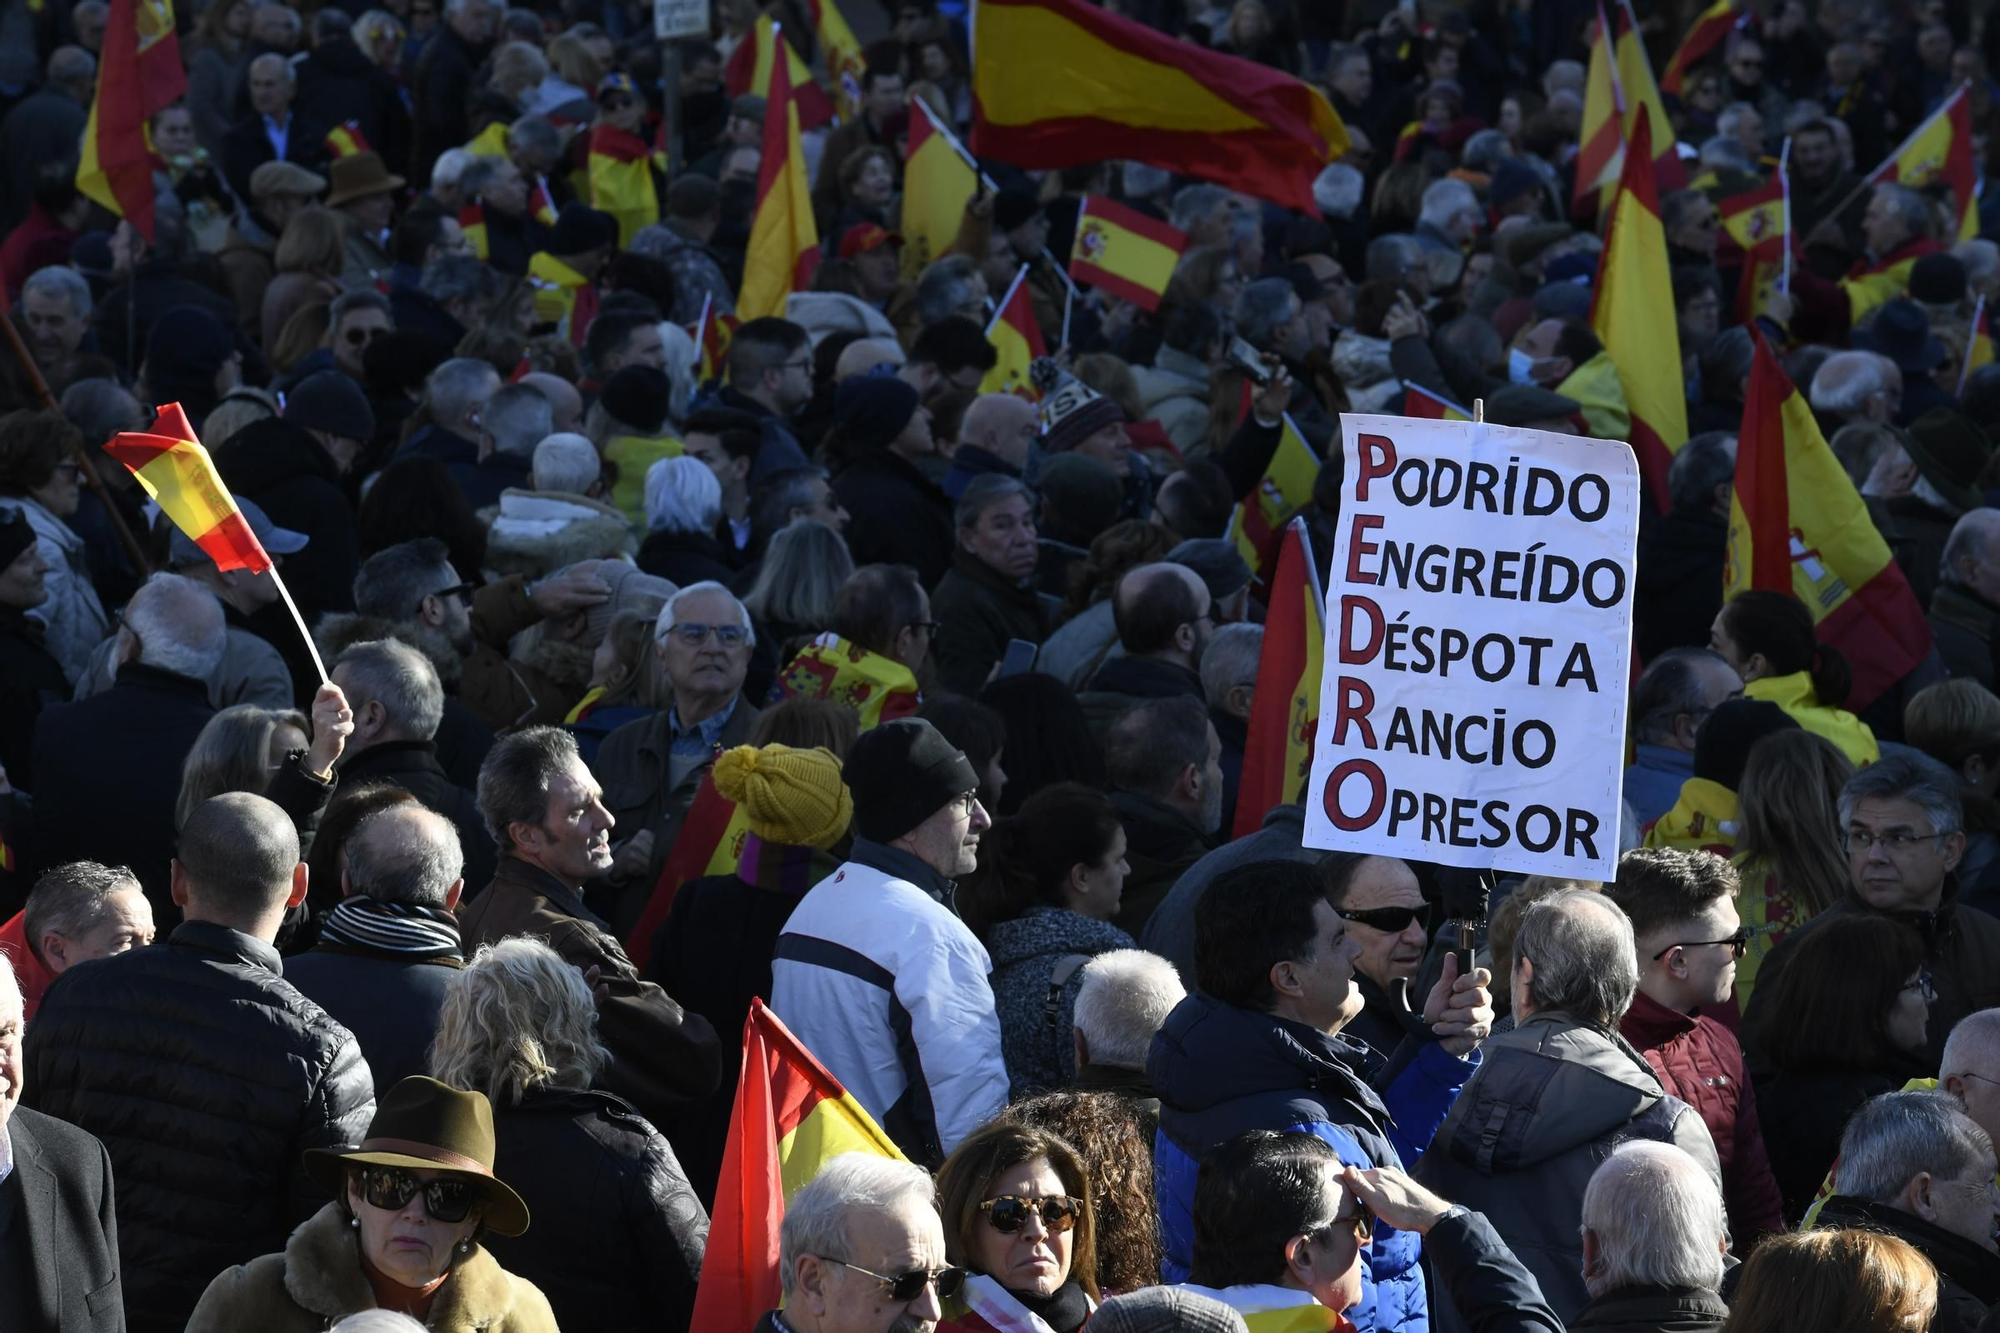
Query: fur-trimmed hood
(317, 1281)
(535, 533)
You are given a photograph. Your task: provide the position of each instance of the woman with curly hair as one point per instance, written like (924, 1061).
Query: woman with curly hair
(1110, 1135)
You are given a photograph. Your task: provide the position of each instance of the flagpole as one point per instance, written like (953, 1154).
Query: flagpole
(1869, 182)
(1785, 196)
(1965, 357)
(1069, 299)
(1000, 310)
(300, 621)
(126, 538)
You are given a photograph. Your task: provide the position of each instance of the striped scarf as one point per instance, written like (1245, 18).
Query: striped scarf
(990, 1308)
(399, 928)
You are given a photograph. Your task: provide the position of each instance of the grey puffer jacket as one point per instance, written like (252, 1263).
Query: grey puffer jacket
(1039, 1053)
(1550, 1101)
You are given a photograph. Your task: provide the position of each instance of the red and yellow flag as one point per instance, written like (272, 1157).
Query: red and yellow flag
(1421, 402)
(1754, 221)
(1258, 522)
(621, 180)
(1796, 525)
(712, 334)
(489, 142)
(877, 688)
(939, 177)
(472, 221)
(1618, 87)
(140, 74)
(346, 139)
(1059, 83)
(842, 54)
(710, 842)
(1633, 287)
(1703, 35)
(1124, 252)
(1018, 339)
(784, 239)
(1939, 151)
(1284, 709)
(178, 473)
(791, 1118)
(541, 204)
(751, 66)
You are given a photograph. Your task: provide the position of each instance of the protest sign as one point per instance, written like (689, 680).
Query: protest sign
(1478, 648)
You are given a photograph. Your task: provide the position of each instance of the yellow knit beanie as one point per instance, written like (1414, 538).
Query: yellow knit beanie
(790, 796)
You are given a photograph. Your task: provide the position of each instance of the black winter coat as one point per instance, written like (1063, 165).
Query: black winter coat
(619, 1234)
(1968, 1274)
(207, 1075)
(162, 285)
(981, 611)
(683, 558)
(288, 473)
(1652, 1310)
(443, 92)
(1679, 581)
(898, 516)
(390, 1002)
(338, 83)
(413, 766)
(1806, 1112)
(108, 772)
(29, 680)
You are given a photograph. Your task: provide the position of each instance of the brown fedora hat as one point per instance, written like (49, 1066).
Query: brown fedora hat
(359, 175)
(423, 1125)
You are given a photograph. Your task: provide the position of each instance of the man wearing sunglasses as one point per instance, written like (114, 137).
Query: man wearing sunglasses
(1682, 906)
(862, 1251)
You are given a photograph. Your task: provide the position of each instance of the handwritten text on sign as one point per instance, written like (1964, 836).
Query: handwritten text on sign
(1479, 623)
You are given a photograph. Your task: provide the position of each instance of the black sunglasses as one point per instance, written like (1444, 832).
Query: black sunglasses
(1009, 1213)
(445, 1200)
(462, 591)
(906, 1287)
(1393, 920)
(1361, 1223)
(1739, 944)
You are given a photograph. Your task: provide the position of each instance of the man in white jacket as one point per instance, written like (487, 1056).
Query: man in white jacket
(875, 973)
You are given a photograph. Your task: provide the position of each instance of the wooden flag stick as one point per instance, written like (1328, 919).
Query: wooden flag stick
(300, 621)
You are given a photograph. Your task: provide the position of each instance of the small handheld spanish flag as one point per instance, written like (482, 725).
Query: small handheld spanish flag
(1125, 252)
(178, 473)
(346, 140)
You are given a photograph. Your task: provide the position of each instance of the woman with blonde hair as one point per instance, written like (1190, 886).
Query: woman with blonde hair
(1834, 1281)
(1957, 723)
(620, 1235)
(800, 578)
(627, 682)
(1788, 841)
(271, 752)
(380, 35)
(311, 254)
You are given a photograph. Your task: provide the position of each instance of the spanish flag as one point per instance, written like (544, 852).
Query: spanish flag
(1633, 288)
(472, 221)
(842, 55)
(750, 71)
(140, 74)
(346, 140)
(489, 142)
(1796, 525)
(541, 204)
(1939, 152)
(939, 178)
(710, 842)
(791, 1118)
(1284, 709)
(1978, 348)
(1059, 83)
(1269, 1308)
(1703, 35)
(563, 297)
(621, 180)
(1421, 402)
(1124, 252)
(784, 240)
(877, 688)
(1618, 87)
(177, 472)
(712, 334)
(1754, 221)
(1258, 522)
(1018, 339)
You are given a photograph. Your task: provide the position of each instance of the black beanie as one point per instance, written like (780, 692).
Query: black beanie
(1722, 745)
(870, 411)
(16, 536)
(900, 774)
(639, 397)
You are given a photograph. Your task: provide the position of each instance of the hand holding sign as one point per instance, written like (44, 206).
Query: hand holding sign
(1460, 1008)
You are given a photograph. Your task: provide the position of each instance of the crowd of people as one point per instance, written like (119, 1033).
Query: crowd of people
(677, 664)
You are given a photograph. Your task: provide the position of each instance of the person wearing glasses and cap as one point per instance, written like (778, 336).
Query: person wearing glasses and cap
(411, 1205)
(1682, 905)
(1282, 1226)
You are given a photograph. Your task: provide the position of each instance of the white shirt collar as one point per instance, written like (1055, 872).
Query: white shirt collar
(6, 1155)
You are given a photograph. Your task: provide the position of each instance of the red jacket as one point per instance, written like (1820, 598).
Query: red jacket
(28, 969)
(1699, 1061)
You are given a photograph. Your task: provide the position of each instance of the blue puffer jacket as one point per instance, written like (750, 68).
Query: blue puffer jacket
(1221, 1071)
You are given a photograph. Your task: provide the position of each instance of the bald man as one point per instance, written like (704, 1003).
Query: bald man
(867, 355)
(997, 435)
(565, 403)
(264, 132)
(1164, 615)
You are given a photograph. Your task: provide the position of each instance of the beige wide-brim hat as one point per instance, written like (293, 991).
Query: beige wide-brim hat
(423, 1125)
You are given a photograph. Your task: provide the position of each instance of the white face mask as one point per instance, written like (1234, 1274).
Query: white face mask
(1520, 366)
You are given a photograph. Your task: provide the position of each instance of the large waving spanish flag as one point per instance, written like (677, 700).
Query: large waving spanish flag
(1703, 35)
(1124, 252)
(177, 472)
(784, 239)
(1018, 339)
(1633, 287)
(141, 73)
(842, 54)
(1059, 83)
(939, 178)
(877, 688)
(1284, 709)
(621, 180)
(752, 64)
(1258, 521)
(1618, 88)
(1939, 152)
(1797, 525)
(792, 1117)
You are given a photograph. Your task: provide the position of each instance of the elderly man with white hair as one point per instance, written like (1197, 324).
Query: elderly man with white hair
(562, 517)
(683, 511)
(652, 768)
(1125, 997)
(1654, 1236)
(862, 1251)
(1856, 386)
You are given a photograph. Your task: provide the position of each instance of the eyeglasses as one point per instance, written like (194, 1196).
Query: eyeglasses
(729, 636)
(805, 365)
(1739, 944)
(462, 591)
(1009, 1213)
(1361, 1222)
(445, 1200)
(1390, 920)
(1924, 986)
(1895, 843)
(906, 1287)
